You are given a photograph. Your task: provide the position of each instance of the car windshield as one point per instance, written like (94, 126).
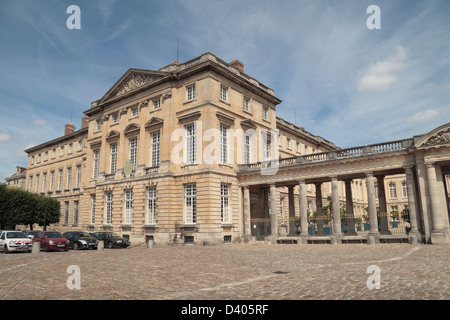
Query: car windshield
(110, 234)
(32, 232)
(16, 235)
(53, 235)
(83, 234)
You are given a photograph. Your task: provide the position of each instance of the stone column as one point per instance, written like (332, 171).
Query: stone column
(319, 210)
(337, 233)
(383, 207)
(439, 233)
(374, 235)
(247, 227)
(303, 208)
(414, 235)
(273, 211)
(425, 204)
(349, 205)
(292, 229)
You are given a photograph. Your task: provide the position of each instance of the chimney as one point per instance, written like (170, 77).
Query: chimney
(84, 122)
(238, 65)
(70, 128)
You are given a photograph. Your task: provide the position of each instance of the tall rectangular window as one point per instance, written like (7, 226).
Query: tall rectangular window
(129, 206)
(69, 177)
(92, 208)
(96, 162)
(191, 144)
(75, 212)
(190, 204)
(30, 186)
(267, 146)
(265, 113)
(133, 152)
(52, 181)
(66, 212)
(78, 181)
(37, 183)
(109, 203)
(247, 149)
(392, 191)
(223, 93)
(224, 203)
(155, 148)
(151, 205)
(190, 92)
(113, 166)
(223, 144)
(60, 179)
(44, 182)
(404, 190)
(246, 104)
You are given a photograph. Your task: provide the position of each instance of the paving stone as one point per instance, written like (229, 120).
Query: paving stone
(231, 271)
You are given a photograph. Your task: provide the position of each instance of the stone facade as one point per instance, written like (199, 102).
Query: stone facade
(178, 155)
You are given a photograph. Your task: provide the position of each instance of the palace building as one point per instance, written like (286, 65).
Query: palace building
(194, 153)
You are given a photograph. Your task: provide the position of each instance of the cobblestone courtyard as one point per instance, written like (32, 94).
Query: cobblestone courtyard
(231, 271)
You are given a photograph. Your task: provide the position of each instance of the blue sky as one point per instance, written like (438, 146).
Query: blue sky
(337, 78)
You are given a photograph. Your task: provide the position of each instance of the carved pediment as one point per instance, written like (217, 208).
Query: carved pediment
(131, 80)
(438, 136)
(248, 124)
(112, 136)
(154, 124)
(132, 129)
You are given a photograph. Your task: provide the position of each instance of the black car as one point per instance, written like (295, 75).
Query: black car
(111, 239)
(81, 240)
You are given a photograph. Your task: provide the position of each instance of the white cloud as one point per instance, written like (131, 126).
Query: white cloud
(41, 122)
(4, 137)
(423, 116)
(381, 75)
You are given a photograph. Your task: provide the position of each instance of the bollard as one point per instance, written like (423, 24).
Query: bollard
(150, 243)
(36, 247)
(100, 245)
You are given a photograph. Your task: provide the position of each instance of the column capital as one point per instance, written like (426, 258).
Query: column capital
(369, 174)
(430, 164)
(301, 181)
(334, 178)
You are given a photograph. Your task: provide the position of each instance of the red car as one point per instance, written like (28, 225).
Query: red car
(52, 240)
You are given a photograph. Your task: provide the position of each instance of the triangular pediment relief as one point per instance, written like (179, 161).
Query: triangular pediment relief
(248, 124)
(132, 79)
(112, 135)
(154, 124)
(438, 136)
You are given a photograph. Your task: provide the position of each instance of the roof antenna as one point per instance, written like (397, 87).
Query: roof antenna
(295, 117)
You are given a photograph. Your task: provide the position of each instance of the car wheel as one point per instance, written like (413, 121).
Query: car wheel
(109, 245)
(76, 246)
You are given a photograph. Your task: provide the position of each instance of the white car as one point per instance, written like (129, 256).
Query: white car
(14, 241)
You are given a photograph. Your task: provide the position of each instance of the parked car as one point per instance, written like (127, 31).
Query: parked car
(52, 240)
(30, 233)
(11, 240)
(111, 239)
(81, 240)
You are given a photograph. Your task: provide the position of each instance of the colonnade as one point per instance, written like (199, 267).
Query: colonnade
(434, 195)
